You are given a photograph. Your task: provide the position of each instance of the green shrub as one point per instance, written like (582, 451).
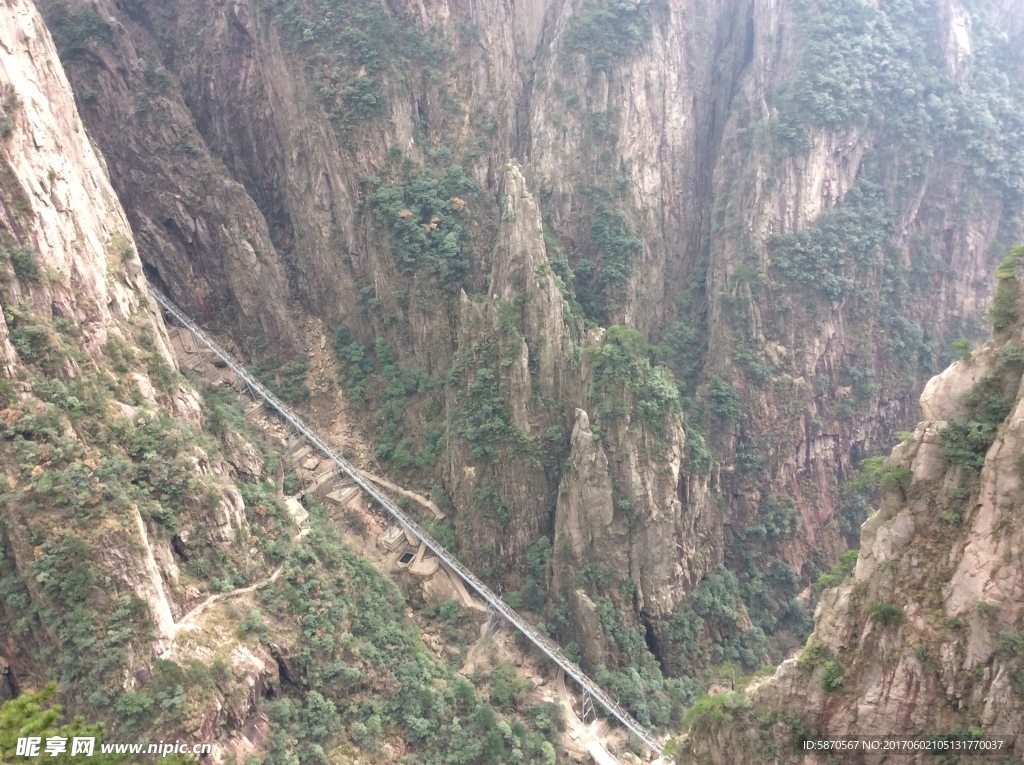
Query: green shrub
(72, 30)
(23, 260)
(507, 690)
(482, 418)
(252, 623)
(715, 608)
(715, 710)
(602, 276)
(607, 30)
(349, 47)
(880, 75)
(813, 654)
(863, 383)
(962, 347)
(839, 571)
(290, 483)
(881, 472)
(449, 610)
(886, 614)
(371, 674)
(363, 98)
(626, 382)
(422, 212)
(34, 343)
(1010, 648)
(832, 677)
(320, 719)
(724, 401)
(1011, 357)
(987, 404)
(1007, 268)
(287, 381)
(121, 354)
(1002, 314)
(777, 520)
(826, 255)
(966, 442)
(33, 712)
(897, 477)
(135, 709)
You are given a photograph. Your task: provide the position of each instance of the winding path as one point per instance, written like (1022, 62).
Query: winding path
(414, 496)
(218, 597)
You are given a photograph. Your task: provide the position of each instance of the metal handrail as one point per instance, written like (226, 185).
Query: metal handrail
(549, 648)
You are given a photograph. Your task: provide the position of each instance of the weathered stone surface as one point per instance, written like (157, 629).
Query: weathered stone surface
(244, 458)
(77, 224)
(587, 630)
(240, 121)
(942, 396)
(585, 519)
(945, 550)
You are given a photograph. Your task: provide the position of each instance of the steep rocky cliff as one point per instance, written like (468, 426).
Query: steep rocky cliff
(794, 205)
(857, 213)
(120, 507)
(924, 637)
(118, 512)
(149, 564)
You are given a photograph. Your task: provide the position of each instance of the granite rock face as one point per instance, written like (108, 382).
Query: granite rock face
(83, 293)
(922, 633)
(59, 195)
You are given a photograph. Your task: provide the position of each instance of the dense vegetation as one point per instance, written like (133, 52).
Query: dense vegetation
(871, 72)
(627, 384)
(1003, 313)
(482, 417)
(34, 714)
(874, 70)
(24, 261)
(638, 682)
(285, 380)
(988, 403)
(602, 274)
(605, 31)
(422, 213)
(708, 631)
(365, 675)
(351, 48)
(76, 471)
(74, 29)
(632, 674)
(395, 388)
(840, 249)
(366, 678)
(875, 67)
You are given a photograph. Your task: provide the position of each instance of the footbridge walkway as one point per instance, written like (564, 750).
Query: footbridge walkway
(546, 646)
